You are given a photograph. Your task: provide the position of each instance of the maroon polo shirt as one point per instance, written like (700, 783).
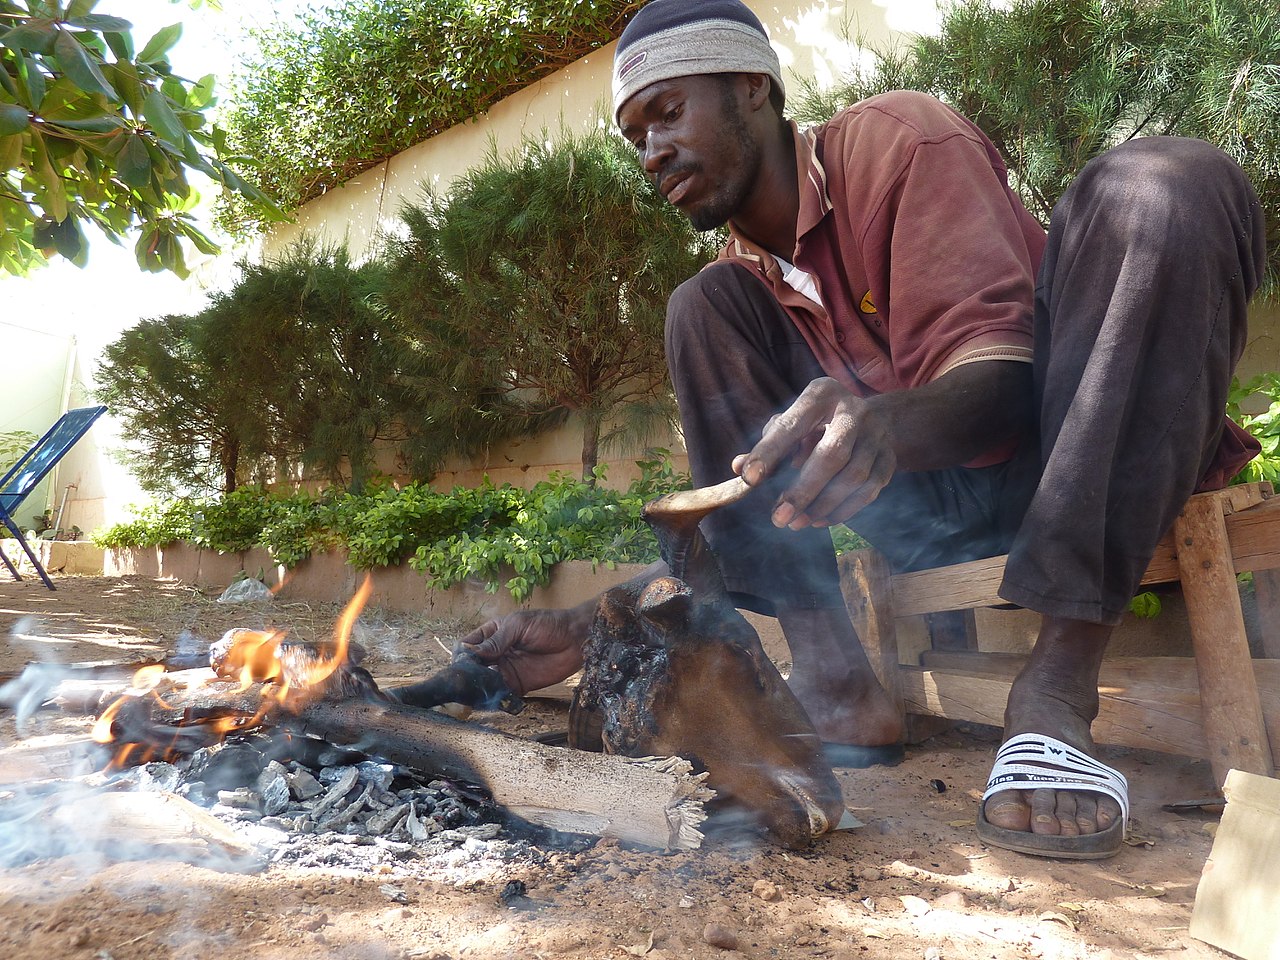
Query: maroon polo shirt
(923, 256)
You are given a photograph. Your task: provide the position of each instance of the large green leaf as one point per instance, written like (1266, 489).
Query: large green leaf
(101, 22)
(11, 148)
(160, 44)
(13, 119)
(37, 36)
(155, 107)
(76, 64)
(134, 162)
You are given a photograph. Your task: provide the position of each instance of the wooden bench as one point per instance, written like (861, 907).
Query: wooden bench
(1221, 705)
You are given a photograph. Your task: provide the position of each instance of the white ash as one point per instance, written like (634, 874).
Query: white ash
(366, 817)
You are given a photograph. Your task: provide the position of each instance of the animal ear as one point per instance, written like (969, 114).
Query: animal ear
(667, 602)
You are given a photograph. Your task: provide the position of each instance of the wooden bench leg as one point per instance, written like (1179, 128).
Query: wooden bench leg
(1266, 591)
(870, 604)
(1229, 703)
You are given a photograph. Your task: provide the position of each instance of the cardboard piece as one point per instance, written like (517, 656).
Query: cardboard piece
(1237, 905)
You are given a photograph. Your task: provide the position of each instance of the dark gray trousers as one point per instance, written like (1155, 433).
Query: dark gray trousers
(1140, 317)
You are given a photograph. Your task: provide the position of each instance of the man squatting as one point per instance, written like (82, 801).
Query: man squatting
(890, 340)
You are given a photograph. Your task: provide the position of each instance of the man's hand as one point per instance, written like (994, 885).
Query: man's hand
(531, 648)
(843, 447)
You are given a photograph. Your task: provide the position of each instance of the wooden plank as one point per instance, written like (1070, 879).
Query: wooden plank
(962, 586)
(1266, 592)
(1253, 532)
(870, 611)
(1238, 898)
(1124, 720)
(1162, 686)
(1232, 712)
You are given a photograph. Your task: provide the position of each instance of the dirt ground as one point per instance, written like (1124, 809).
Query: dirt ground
(912, 882)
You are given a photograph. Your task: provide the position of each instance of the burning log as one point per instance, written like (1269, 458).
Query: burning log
(306, 690)
(655, 802)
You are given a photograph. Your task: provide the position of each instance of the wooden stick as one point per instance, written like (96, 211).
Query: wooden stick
(1233, 723)
(655, 802)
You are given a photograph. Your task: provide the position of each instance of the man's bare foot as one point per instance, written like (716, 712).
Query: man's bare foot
(834, 682)
(1056, 694)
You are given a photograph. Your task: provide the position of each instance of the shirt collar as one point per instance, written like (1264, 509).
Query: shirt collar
(815, 203)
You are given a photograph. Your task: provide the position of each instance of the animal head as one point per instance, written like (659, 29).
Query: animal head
(672, 674)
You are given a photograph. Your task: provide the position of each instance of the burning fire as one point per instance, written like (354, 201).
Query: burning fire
(290, 674)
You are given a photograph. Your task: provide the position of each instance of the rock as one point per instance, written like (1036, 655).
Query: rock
(303, 786)
(871, 874)
(950, 901)
(933, 953)
(766, 890)
(393, 893)
(718, 935)
(916, 906)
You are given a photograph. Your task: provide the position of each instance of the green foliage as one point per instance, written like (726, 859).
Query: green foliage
(539, 286)
(13, 445)
(152, 526)
(1053, 83)
(503, 535)
(1264, 426)
(348, 86)
(93, 132)
(1146, 605)
(293, 365)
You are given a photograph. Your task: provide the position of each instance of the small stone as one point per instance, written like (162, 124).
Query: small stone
(766, 890)
(720, 936)
(933, 953)
(393, 893)
(871, 874)
(916, 906)
(303, 786)
(954, 900)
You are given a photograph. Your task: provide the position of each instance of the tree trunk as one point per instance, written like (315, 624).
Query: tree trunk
(230, 465)
(590, 447)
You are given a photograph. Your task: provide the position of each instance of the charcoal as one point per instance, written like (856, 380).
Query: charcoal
(242, 798)
(385, 821)
(342, 783)
(273, 786)
(159, 777)
(226, 766)
(379, 774)
(302, 785)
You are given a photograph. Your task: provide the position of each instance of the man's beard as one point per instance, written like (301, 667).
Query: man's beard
(719, 208)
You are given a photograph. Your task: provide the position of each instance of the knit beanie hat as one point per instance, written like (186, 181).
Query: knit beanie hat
(681, 38)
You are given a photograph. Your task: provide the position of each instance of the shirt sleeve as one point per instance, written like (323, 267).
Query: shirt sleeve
(946, 250)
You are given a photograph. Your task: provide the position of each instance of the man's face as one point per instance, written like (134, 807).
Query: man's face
(695, 142)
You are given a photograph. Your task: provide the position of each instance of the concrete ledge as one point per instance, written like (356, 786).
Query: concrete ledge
(328, 577)
(74, 557)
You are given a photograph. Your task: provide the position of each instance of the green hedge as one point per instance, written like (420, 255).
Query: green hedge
(486, 532)
(344, 88)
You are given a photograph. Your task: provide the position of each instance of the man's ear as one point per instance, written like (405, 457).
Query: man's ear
(759, 86)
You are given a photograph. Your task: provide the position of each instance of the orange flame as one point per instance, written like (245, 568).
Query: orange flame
(254, 658)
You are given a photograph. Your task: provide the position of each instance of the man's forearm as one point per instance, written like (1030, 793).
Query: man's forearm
(959, 416)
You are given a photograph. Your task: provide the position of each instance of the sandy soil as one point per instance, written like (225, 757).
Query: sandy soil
(913, 882)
